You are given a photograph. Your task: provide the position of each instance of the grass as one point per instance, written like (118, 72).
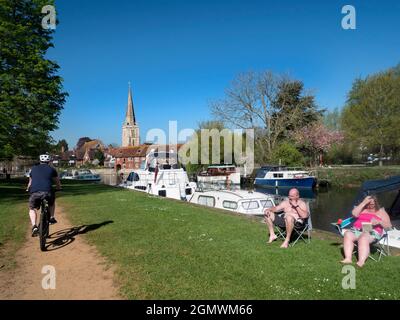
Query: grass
(354, 176)
(14, 220)
(165, 249)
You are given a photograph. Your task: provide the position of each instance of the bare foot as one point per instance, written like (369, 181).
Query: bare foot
(346, 261)
(360, 265)
(272, 239)
(285, 245)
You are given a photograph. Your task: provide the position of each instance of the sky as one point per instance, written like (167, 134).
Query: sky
(181, 55)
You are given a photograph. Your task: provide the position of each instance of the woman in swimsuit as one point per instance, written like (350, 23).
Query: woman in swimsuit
(368, 211)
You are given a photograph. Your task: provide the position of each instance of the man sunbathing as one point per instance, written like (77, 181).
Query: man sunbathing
(295, 211)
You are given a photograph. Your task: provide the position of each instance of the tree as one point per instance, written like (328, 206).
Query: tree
(99, 156)
(62, 145)
(31, 96)
(332, 119)
(287, 154)
(82, 141)
(372, 114)
(316, 139)
(273, 105)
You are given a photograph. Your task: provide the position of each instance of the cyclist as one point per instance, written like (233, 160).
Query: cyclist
(41, 179)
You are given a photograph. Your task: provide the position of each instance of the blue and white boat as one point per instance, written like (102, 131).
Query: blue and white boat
(284, 177)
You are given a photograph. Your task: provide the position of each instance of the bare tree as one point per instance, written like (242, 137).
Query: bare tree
(271, 104)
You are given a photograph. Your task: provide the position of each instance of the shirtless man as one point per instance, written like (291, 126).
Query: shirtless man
(295, 212)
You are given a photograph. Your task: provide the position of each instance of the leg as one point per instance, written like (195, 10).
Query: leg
(348, 246)
(289, 229)
(364, 242)
(32, 215)
(269, 219)
(52, 209)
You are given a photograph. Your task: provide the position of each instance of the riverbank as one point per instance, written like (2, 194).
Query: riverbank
(166, 249)
(353, 176)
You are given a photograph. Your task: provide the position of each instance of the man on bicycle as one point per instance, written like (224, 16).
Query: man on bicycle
(40, 186)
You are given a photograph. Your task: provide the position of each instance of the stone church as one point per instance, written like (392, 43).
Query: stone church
(130, 128)
(132, 154)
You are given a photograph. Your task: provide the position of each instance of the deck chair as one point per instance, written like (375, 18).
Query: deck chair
(379, 246)
(300, 231)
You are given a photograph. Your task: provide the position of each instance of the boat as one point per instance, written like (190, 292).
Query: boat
(282, 176)
(220, 174)
(81, 175)
(241, 201)
(160, 175)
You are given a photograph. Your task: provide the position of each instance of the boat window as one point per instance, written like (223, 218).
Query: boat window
(266, 203)
(278, 175)
(261, 173)
(250, 205)
(230, 205)
(206, 201)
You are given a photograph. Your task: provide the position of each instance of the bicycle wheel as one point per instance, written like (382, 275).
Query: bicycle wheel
(44, 225)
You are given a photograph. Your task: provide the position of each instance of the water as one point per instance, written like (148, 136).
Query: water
(329, 205)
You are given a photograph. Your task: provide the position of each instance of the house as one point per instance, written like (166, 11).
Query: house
(133, 157)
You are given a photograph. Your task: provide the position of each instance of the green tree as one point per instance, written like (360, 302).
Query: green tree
(99, 155)
(332, 119)
(31, 96)
(287, 154)
(61, 145)
(372, 114)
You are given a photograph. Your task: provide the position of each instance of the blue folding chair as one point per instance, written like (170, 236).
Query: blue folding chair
(381, 245)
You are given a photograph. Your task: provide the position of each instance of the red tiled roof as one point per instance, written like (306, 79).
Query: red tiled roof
(138, 151)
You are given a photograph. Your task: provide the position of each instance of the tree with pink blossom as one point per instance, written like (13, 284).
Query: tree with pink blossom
(317, 139)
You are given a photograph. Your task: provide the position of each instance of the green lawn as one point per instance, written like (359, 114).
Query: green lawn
(165, 249)
(173, 250)
(14, 220)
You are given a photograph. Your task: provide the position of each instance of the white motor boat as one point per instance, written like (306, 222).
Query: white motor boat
(161, 175)
(220, 174)
(81, 175)
(241, 201)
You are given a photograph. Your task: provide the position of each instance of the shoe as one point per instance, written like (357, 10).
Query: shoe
(52, 220)
(35, 231)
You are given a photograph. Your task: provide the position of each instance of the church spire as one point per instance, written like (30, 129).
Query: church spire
(130, 112)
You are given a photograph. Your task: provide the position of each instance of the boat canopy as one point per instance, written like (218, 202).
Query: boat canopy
(375, 187)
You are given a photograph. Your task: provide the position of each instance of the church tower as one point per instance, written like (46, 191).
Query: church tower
(130, 129)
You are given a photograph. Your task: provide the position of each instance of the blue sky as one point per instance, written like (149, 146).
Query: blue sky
(180, 55)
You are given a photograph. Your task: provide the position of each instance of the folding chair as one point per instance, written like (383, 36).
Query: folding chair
(299, 230)
(380, 245)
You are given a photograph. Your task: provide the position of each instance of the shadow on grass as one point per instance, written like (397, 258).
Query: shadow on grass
(65, 237)
(14, 190)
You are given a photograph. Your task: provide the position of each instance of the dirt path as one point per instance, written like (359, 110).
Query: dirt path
(80, 271)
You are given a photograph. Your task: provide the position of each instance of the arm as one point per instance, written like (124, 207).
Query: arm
(357, 210)
(29, 184)
(280, 207)
(301, 209)
(385, 223)
(57, 182)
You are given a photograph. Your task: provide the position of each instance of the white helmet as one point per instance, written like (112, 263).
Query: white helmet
(44, 158)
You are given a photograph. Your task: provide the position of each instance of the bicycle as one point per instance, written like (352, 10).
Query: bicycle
(44, 224)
